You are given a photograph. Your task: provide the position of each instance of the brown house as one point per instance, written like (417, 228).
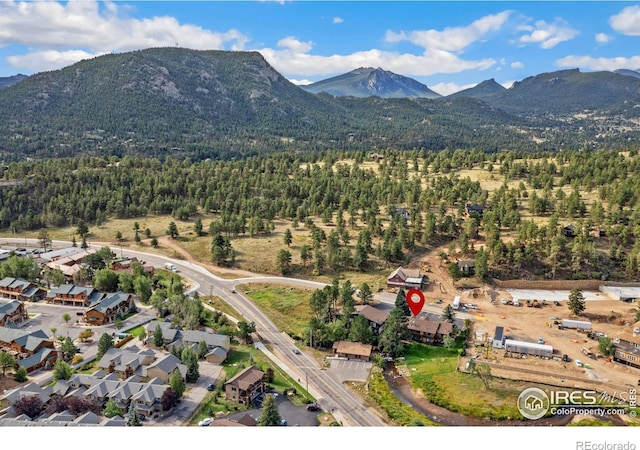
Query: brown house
(22, 290)
(467, 266)
(32, 349)
(427, 331)
(406, 279)
(72, 295)
(352, 350)
(376, 317)
(12, 311)
(627, 347)
(109, 309)
(245, 386)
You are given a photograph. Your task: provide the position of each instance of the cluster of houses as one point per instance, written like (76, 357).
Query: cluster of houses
(425, 328)
(218, 345)
(125, 375)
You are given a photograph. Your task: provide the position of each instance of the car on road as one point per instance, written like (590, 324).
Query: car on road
(313, 407)
(233, 291)
(205, 422)
(210, 387)
(296, 351)
(283, 422)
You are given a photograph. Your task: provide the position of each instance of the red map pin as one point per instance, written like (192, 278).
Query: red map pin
(415, 299)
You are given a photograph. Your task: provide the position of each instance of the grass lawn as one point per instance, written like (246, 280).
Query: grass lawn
(399, 413)
(433, 370)
(287, 306)
(138, 332)
(222, 306)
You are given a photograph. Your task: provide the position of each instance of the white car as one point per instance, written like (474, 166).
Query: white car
(205, 422)
(579, 363)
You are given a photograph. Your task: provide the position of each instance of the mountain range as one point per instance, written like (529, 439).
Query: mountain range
(218, 104)
(367, 81)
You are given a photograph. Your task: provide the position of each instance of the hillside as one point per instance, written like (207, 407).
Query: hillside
(222, 105)
(9, 81)
(487, 88)
(367, 81)
(568, 91)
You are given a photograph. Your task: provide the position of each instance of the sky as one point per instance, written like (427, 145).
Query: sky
(447, 45)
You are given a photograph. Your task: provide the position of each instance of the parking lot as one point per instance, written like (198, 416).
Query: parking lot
(294, 415)
(349, 370)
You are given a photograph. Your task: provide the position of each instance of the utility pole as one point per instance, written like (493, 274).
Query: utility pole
(306, 376)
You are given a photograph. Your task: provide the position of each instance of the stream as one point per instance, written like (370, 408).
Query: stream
(402, 390)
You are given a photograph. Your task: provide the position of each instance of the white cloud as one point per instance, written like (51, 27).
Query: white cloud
(48, 59)
(85, 27)
(294, 57)
(589, 62)
(452, 39)
(301, 82)
(517, 65)
(548, 35)
(449, 88)
(603, 38)
(627, 21)
(338, 20)
(295, 46)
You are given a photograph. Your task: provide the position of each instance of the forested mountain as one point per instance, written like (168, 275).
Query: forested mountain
(367, 81)
(628, 72)
(8, 81)
(222, 105)
(487, 88)
(569, 91)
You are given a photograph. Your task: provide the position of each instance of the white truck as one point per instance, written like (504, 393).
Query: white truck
(456, 302)
(170, 267)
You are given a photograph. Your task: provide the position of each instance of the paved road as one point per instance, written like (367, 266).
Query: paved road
(332, 396)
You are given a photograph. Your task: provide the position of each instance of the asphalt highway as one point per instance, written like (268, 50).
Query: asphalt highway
(331, 394)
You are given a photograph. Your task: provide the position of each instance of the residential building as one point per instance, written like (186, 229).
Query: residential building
(375, 316)
(407, 279)
(352, 350)
(467, 266)
(245, 386)
(12, 311)
(32, 349)
(112, 306)
(475, 210)
(429, 331)
(218, 344)
(627, 347)
(73, 295)
(22, 290)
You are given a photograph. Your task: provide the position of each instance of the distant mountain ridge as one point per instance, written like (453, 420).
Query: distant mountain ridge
(367, 81)
(487, 88)
(628, 72)
(218, 104)
(10, 81)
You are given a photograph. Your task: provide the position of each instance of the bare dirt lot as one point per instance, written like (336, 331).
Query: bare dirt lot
(528, 323)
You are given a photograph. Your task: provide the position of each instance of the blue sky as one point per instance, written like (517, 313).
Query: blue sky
(447, 45)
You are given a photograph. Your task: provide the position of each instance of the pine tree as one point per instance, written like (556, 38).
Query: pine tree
(134, 420)
(269, 417)
(576, 302)
(401, 302)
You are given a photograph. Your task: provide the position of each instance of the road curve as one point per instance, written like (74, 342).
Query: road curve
(334, 396)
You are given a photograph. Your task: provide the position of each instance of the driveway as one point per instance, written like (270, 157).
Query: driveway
(294, 415)
(192, 398)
